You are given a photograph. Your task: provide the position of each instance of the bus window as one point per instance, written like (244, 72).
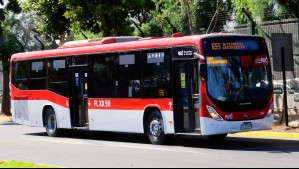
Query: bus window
(156, 73)
(57, 76)
(103, 80)
(129, 75)
(38, 75)
(21, 71)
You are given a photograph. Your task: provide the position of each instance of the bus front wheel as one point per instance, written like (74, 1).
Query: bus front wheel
(155, 128)
(51, 123)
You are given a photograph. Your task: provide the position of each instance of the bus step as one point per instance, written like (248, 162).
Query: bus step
(188, 134)
(81, 128)
(197, 129)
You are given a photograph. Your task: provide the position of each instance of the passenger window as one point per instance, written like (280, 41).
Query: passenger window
(129, 75)
(38, 75)
(21, 72)
(58, 76)
(156, 73)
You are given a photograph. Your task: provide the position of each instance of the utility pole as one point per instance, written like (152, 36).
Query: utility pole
(252, 22)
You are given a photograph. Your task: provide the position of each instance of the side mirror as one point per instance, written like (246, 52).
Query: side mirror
(203, 71)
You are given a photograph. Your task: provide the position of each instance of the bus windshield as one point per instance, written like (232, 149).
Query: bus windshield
(239, 77)
(231, 79)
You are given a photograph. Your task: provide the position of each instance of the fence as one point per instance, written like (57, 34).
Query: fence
(266, 29)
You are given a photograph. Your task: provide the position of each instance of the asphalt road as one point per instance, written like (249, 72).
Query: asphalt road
(102, 149)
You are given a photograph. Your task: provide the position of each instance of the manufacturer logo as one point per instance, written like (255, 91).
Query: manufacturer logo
(185, 53)
(229, 116)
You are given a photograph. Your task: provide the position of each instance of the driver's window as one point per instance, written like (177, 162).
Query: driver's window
(156, 73)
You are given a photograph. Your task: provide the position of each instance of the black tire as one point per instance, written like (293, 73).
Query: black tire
(155, 128)
(51, 123)
(218, 137)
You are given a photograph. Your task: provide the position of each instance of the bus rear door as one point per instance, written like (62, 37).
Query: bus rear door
(78, 96)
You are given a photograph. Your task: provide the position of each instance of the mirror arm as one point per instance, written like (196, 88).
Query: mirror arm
(199, 56)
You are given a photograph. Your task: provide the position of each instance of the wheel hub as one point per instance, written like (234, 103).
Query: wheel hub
(156, 127)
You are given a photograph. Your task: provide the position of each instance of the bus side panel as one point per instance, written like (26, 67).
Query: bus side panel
(30, 112)
(116, 120)
(214, 127)
(36, 113)
(168, 122)
(20, 113)
(125, 121)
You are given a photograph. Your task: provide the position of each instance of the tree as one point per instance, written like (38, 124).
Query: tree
(112, 18)
(189, 17)
(49, 17)
(290, 6)
(265, 10)
(6, 50)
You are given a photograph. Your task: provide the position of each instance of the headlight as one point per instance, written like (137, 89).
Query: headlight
(271, 110)
(214, 113)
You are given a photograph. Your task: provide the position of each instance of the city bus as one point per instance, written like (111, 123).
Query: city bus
(209, 85)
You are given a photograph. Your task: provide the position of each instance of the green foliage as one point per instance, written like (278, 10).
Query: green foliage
(19, 164)
(289, 6)
(14, 6)
(256, 8)
(9, 47)
(177, 12)
(111, 17)
(8, 42)
(265, 10)
(49, 17)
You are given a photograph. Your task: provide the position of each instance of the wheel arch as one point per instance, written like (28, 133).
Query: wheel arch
(147, 113)
(45, 110)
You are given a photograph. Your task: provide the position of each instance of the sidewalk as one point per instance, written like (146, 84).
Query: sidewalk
(269, 134)
(5, 118)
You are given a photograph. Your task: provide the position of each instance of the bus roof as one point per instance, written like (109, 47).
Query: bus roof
(116, 44)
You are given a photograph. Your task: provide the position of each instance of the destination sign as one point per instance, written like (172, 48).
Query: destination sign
(228, 46)
(217, 61)
(221, 46)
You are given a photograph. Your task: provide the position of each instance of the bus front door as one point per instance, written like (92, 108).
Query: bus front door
(78, 96)
(186, 96)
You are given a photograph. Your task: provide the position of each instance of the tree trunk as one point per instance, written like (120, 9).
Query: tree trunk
(62, 39)
(189, 16)
(6, 104)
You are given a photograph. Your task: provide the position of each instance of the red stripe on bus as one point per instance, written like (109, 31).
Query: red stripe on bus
(130, 104)
(99, 103)
(39, 95)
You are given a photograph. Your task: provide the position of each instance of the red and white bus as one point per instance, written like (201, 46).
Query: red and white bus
(207, 85)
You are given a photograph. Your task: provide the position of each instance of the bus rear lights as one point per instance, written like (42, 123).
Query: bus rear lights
(214, 113)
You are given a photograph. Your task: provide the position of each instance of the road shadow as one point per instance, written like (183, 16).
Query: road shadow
(230, 143)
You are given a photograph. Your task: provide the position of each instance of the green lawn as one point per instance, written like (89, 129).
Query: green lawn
(19, 164)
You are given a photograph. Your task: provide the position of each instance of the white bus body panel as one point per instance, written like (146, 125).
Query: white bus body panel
(130, 121)
(214, 127)
(30, 112)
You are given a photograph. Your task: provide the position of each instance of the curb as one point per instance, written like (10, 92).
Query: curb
(269, 134)
(6, 118)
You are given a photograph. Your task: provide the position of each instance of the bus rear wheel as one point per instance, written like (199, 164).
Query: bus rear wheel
(51, 123)
(155, 128)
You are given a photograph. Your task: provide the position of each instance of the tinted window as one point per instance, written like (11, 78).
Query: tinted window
(103, 80)
(129, 77)
(21, 72)
(38, 75)
(58, 76)
(156, 73)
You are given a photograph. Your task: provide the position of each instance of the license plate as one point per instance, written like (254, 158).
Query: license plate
(246, 126)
